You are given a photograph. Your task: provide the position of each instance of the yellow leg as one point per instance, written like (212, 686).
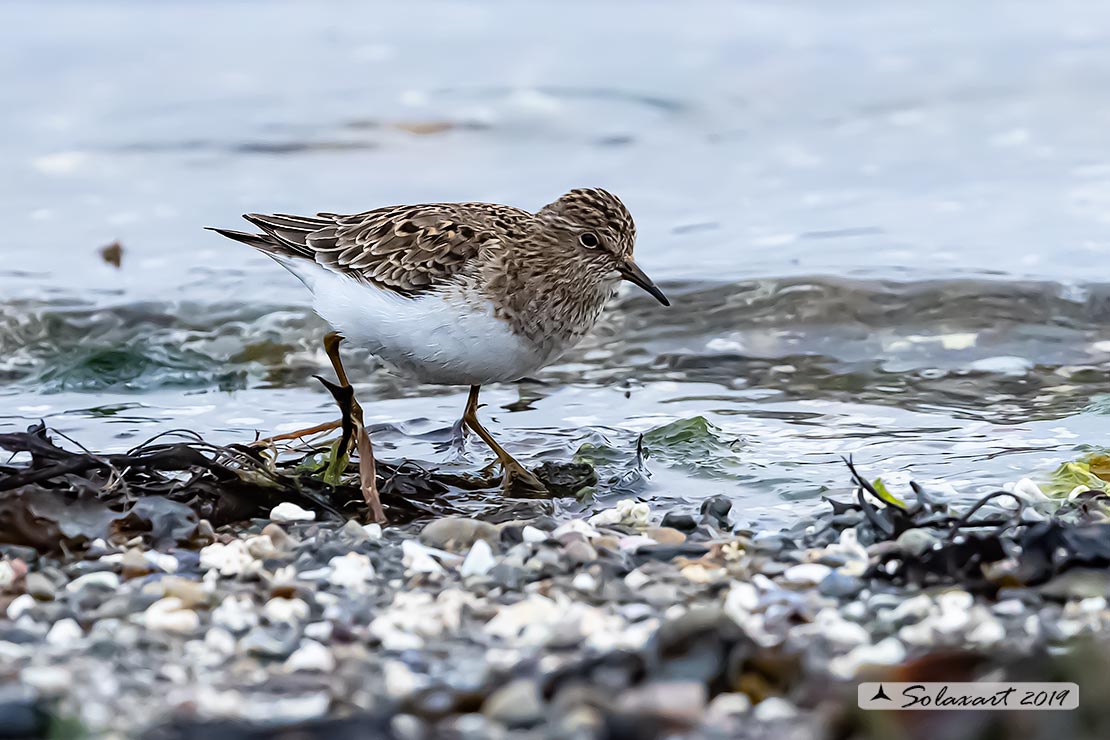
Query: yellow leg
(514, 474)
(367, 473)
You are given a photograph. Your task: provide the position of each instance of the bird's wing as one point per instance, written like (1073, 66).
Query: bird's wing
(406, 249)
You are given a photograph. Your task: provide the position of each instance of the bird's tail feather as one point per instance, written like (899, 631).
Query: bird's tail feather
(283, 235)
(258, 241)
(291, 231)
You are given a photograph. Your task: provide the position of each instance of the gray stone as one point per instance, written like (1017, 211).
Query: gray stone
(276, 641)
(1078, 583)
(659, 595)
(580, 723)
(352, 531)
(580, 552)
(516, 704)
(119, 606)
(281, 539)
(545, 556)
(839, 585)
(681, 702)
(39, 586)
(681, 522)
(916, 542)
(508, 576)
(458, 534)
(716, 509)
(666, 535)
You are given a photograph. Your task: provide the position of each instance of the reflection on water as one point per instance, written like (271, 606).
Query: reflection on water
(882, 227)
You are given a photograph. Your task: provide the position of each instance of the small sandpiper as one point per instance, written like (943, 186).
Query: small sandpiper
(460, 293)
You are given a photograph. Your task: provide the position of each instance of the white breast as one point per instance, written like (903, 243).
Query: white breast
(437, 338)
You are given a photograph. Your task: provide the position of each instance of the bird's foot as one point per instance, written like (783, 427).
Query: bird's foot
(516, 478)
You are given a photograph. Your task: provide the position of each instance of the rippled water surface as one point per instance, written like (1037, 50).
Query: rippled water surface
(885, 229)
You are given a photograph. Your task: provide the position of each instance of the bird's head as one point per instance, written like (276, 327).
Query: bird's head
(594, 227)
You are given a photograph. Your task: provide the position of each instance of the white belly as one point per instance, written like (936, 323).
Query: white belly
(435, 338)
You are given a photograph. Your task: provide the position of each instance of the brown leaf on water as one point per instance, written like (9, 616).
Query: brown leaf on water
(112, 254)
(424, 128)
(1099, 465)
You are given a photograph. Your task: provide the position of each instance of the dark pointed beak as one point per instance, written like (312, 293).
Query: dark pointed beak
(631, 272)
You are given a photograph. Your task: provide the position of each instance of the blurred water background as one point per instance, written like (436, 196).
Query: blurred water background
(884, 227)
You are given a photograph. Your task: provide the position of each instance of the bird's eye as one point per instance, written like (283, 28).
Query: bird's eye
(589, 240)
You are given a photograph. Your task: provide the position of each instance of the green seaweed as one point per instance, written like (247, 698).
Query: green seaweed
(600, 454)
(326, 466)
(1090, 471)
(887, 496)
(132, 368)
(336, 464)
(1068, 476)
(695, 445)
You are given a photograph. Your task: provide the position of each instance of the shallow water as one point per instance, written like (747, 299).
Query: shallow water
(884, 229)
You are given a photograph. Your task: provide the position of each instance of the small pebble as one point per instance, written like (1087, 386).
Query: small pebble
(479, 561)
(229, 559)
(665, 535)
(236, 613)
(458, 534)
(20, 605)
(310, 656)
(350, 571)
(9, 575)
(680, 702)
(806, 574)
(47, 679)
(64, 632)
(287, 511)
(417, 558)
(319, 631)
(887, 652)
(104, 579)
(191, 593)
(516, 704)
(917, 542)
(280, 610)
(681, 522)
(579, 553)
(261, 547)
(171, 615)
(275, 641)
(839, 585)
(219, 641)
(578, 526)
(716, 509)
(282, 540)
(584, 582)
(162, 561)
(533, 535)
(728, 704)
(772, 709)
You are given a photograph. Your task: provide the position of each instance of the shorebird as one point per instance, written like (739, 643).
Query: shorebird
(459, 293)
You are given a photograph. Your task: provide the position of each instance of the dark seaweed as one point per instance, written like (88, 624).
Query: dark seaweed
(63, 498)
